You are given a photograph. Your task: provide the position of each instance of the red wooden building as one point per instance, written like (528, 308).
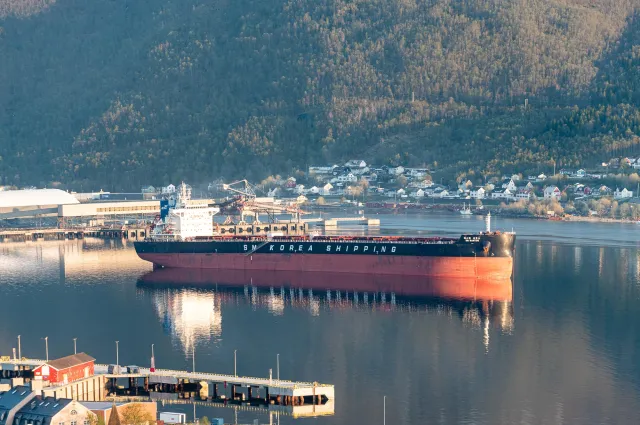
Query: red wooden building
(66, 369)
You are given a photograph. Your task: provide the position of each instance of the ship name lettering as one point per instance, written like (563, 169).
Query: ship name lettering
(310, 248)
(291, 248)
(338, 248)
(245, 247)
(271, 247)
(254, 247)
(375, 249)
(355, 248)
(393, 249)
(346, 248)
(299, 248)
(328, 248)
(366, 248)
(281, 247)
(383, 248)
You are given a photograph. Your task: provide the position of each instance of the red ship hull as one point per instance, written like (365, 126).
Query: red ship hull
(495, 268)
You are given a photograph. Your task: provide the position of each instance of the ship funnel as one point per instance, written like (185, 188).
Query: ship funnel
(487, 222)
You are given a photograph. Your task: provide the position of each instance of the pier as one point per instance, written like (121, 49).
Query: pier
(333, 222)
(181, 387)
(27, 235)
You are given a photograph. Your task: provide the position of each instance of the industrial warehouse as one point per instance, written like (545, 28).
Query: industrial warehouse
(39, 203)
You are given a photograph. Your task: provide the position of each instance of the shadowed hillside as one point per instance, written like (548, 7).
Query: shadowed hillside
(126, 93)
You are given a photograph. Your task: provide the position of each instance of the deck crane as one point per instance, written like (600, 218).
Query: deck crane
(250, 206)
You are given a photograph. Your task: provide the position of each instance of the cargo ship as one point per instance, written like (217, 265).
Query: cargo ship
(189, 238)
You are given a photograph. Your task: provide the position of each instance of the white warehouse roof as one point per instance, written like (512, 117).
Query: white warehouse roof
(35, 198)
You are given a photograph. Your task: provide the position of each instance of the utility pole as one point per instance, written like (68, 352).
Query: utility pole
(117, 356)
(235, 370)
(46, 346)
(19, 349)
(75, 348)
(278, 366)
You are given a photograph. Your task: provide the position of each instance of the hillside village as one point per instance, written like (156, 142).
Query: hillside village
(356, 179)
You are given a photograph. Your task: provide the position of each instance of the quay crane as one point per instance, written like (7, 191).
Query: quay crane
(249, 205)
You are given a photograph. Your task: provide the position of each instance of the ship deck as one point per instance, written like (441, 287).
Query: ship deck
(308, 238)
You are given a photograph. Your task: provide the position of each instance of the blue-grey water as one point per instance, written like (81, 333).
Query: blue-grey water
(561, 345)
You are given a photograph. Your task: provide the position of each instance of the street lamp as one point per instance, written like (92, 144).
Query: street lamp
(235, 364)
(75, 348)
(19, 349)
(278, 366)
(384, 410)
(153, 360)
(46, 346)
(117, 357)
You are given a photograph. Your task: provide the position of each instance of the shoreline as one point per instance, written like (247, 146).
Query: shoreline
(450, 208)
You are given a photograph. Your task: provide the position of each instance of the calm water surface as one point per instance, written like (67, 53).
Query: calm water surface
(559, 346)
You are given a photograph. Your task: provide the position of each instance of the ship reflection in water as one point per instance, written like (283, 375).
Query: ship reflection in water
(191, 316)
(188, 300)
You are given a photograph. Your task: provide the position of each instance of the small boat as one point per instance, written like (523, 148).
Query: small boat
(466, 210)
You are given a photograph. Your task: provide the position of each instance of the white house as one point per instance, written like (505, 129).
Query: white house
(314, 190)
(515, 177)
(418, 194)
(355, 163)
(502, 194)
(320, 170)
(326, 189)
(581, 173)
(401, 192)
(552, 192)
(347, 178)
(416, 172)
(396, 171)
(509, 184)
(169, 189)
(524, 194)
(422, 184)
(541, 177)
(477, 193)
(622, 194)
(359, 171)
(440, 193)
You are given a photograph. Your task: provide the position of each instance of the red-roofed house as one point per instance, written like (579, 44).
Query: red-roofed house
(67, 369)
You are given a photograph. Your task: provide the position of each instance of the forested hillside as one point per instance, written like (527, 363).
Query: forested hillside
(124, 93)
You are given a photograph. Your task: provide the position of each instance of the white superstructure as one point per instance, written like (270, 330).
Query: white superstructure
(189, 219)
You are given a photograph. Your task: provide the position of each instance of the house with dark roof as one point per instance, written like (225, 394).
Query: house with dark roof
(12, 401)
(67, 369)
(52, 411)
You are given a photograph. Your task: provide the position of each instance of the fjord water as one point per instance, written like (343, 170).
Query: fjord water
(560, 346)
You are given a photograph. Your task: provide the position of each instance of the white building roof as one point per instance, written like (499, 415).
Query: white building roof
(35, 197)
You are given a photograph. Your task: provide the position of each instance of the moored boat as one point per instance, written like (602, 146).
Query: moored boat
(484, 255)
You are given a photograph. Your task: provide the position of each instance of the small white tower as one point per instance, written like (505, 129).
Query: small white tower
(487, 222)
